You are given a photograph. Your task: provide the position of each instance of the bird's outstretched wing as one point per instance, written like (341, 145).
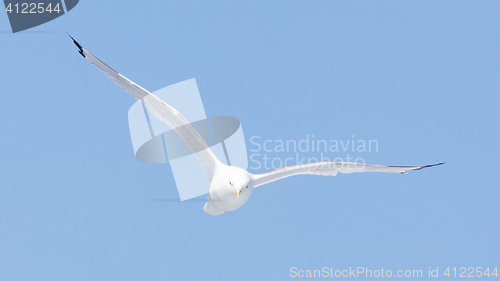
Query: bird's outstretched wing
(162, 111)
(331, 168)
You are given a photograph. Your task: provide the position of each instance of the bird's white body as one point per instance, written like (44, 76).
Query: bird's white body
(230, 187)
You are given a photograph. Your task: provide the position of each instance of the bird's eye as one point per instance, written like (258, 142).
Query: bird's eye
(230, 182)
(247, 186)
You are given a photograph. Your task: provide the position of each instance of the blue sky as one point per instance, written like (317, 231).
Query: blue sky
(420, 77)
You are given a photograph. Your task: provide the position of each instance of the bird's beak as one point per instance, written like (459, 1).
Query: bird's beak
(237, 191)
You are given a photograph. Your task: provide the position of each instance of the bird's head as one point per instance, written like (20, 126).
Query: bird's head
(240, 187)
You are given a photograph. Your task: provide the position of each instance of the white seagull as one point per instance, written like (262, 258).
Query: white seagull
(230, 187)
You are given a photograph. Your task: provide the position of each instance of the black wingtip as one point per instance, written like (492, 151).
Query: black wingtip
(78, 45)
(432, 165)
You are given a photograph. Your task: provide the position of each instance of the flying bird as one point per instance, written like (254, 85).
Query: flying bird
(230, 187)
